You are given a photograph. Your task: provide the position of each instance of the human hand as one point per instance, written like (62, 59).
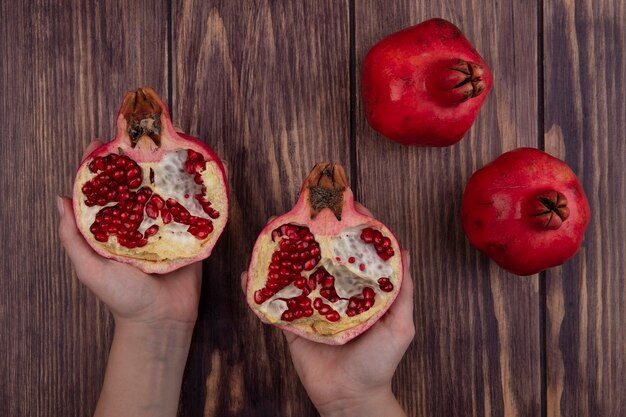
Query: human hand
(134, 297)
(355, 379)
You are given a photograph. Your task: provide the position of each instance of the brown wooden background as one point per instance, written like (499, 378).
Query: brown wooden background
(273, 87)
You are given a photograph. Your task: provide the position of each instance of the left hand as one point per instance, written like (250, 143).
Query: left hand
(134, 297)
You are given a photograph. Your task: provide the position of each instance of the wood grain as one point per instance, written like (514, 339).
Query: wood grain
(266, 84)
(273, 86)
(65, 68)
(585, 121)
(477, 349)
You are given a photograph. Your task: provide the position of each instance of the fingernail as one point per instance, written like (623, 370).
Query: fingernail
(60, 206)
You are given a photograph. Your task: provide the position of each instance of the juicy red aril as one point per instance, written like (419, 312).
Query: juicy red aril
(297, 250)
(385, 284)
(117, 178)
(358, 305)
(297, 307)
(381, 243)
(112, 175)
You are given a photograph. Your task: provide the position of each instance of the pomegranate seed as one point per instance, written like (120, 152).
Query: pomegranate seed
(193, 155)
(259, 298)
(332, 316)
(318, 303)
(368, 293)
(385, 284)
(151, 211)
(328, 281)
(287, 316)
(362, 267)
(118, 175)
(351, 259)
(367, 235)
(152, 230)
(133, 172)
(158, 201)
(309, 265)
(134, 183)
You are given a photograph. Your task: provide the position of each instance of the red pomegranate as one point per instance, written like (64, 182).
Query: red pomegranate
(424, 85)
(151, 197)
(324, 271)
(526, 210)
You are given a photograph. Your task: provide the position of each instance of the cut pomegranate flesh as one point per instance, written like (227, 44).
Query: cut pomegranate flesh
(151, 197)
(324, 272)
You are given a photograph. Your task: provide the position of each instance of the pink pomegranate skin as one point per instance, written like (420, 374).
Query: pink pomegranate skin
(526, 210)
(424, 85)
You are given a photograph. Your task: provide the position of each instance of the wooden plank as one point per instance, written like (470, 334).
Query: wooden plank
(477, 348)
(65, 68)
(585, 120)
(266, 84)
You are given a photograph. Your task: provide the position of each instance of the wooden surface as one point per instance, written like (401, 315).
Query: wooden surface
(272, 87)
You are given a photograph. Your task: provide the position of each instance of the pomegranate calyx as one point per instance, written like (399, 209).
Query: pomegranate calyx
(326, 183)
(550, 210)
(455, 81)
(142, 110)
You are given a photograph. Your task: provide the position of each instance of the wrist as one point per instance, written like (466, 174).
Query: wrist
(145, 369)
(372, 404)
(159, 337)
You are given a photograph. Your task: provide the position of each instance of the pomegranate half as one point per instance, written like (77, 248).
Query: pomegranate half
(324, 270)
(151, 197)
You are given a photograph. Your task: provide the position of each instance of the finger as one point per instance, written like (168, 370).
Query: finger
(178, 128)
(92, 146)
(86, 262)
(244, 281)
(271, 218)
(401, 311)
(360, 208)
(290, 337)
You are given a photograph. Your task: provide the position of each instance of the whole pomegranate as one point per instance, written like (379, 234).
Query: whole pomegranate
(526, 210)
(424, 85)
(151, 197)
(324, 271)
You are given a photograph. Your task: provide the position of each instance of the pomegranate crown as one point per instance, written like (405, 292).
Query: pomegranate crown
(325, 188)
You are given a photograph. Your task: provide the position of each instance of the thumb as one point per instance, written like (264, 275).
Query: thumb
(86, 262)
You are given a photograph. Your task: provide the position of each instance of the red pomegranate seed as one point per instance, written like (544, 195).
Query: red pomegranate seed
(332, 316)
(368, 293)
(152, 230)
(351, 259)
